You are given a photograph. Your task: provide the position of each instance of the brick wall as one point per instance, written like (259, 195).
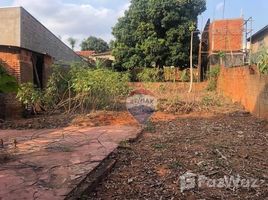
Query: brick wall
(19, 64)
(26, 67)
(226, 35)
(246, 86)
(48, 61)
(10, 58)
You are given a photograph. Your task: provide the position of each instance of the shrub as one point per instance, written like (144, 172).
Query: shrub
(99, 88)
(150, 75)
(78, 89)
(7, 83)
(262, 62)
(213, 75)
(30, 96)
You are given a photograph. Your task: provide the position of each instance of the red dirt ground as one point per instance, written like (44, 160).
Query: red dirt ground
(226, 142)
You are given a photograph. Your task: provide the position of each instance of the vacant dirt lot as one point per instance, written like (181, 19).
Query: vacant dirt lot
(225, 142)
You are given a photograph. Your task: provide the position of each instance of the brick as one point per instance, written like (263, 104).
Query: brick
(250, 90)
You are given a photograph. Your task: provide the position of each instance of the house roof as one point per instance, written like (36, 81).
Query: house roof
(19, 28)
(258, 33)
(85, 53)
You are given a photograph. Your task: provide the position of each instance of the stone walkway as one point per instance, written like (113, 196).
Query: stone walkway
(48, 164)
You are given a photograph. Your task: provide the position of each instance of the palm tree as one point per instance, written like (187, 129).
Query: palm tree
(72, 42)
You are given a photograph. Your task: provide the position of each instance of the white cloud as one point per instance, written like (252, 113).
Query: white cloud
(73, 19)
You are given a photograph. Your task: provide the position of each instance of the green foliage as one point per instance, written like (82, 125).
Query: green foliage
(221, 54)
(94, 44)
(29, 96)
(214, 72)
(262, 61)
(156, 33)
(185, 76)
(150, 75)
(210, 100)
(57, 85)
(213, 75)
(7, 83)
(98, 88)
(79, 89)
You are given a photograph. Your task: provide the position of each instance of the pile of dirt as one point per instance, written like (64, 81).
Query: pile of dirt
(218, 145)
(100, 118)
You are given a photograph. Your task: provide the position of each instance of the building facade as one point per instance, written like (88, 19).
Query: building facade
(259, 40)
(222, 44)
(28, 49)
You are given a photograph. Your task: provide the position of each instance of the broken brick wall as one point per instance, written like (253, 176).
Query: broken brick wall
(18, 63)
(246, 86)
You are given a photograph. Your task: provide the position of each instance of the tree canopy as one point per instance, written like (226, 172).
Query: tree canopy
(94, 44)
(156, 33)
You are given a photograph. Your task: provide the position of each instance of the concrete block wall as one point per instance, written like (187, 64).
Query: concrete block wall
(246, 86)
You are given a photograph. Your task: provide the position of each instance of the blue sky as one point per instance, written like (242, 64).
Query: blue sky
(250, 8)
(81, 18)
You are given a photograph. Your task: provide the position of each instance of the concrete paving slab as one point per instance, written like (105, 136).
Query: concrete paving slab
(48, 164)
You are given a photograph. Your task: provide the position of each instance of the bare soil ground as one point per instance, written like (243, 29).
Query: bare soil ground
(224, 142)
(94, 119)
(197, 133)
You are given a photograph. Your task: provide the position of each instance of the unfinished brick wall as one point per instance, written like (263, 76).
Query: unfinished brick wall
(10, 58)
(226, 35)
(18, 62)
(246, 86)
(26, 66)
(48, 61)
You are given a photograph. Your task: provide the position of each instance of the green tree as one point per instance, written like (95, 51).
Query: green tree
(94, 44)
(156, 33)
(72, 42)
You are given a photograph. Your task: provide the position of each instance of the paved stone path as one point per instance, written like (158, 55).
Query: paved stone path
(48, 164)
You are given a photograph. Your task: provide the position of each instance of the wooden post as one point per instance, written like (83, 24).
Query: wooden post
(191, 62)
(200, 59)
